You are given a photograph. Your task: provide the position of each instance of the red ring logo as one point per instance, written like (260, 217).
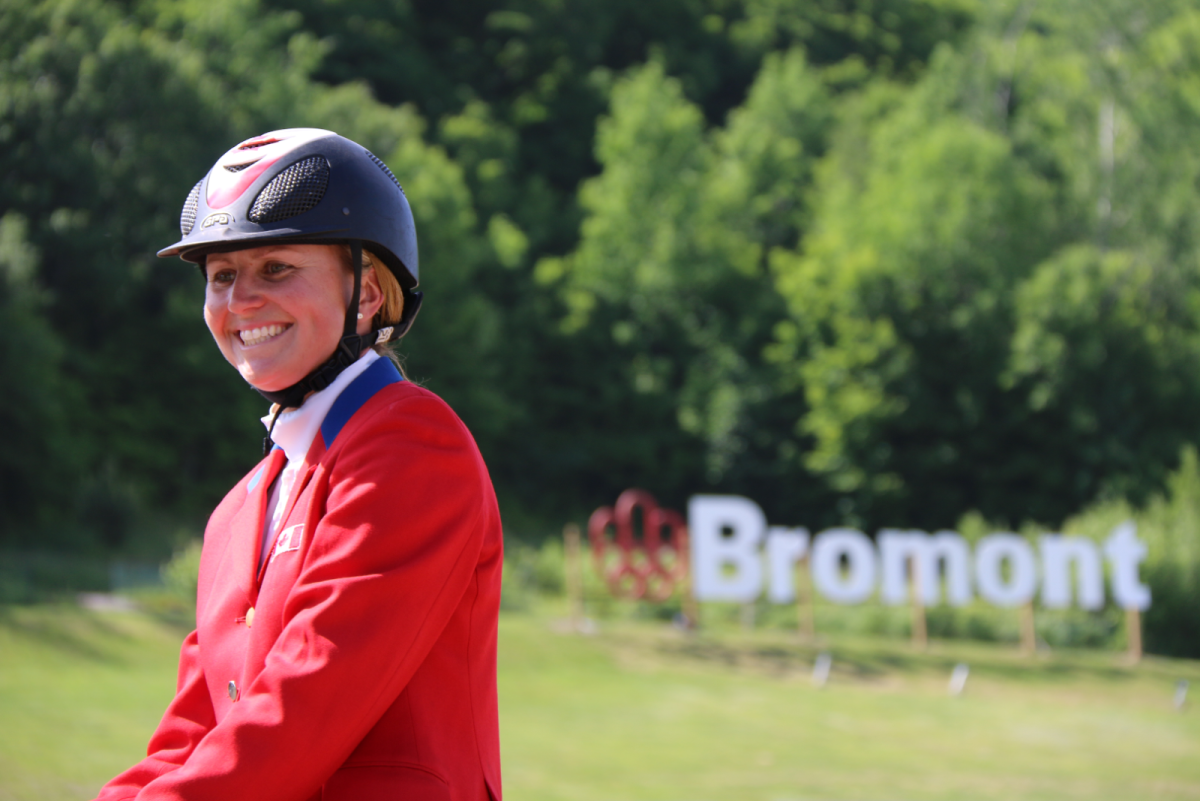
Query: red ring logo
(639, 569)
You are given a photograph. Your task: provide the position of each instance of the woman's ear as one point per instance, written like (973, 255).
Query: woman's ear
(370, 300)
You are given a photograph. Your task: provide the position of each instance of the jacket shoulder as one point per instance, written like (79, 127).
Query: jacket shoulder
(409, 412)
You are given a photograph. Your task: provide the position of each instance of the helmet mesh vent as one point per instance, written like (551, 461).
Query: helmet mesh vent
(379, 163)
(238, 167)
(294, 191)
(187, 217)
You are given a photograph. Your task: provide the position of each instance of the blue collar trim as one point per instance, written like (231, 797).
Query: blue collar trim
(362, 389)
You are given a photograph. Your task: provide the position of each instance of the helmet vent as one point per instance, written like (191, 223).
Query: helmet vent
(238, 167)
(294, 191)
(254, 144)
(384, 167)
(187, 217)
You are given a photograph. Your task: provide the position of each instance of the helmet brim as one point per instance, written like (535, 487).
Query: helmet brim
(193, 250)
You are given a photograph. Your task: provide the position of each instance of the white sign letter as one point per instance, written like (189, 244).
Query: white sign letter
(1125, 552)
(859, 582)
(992, 551)
(1057, 554)
(709, 516)
(785, 546)
(896, 548)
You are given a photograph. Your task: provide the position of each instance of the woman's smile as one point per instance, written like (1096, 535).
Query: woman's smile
(250, 337)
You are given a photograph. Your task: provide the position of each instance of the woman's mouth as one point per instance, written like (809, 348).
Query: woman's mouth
(256, 336)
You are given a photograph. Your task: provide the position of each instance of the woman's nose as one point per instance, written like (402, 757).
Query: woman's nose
(244, 295)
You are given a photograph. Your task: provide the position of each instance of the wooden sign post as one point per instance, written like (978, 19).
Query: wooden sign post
(805, 601)
(688, 604)
(920, 634)
(1133, 632)
(1028, 632)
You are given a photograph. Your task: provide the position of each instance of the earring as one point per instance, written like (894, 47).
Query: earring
(360, 315)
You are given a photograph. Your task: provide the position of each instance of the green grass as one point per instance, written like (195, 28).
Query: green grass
(80, 693)
(641, 711)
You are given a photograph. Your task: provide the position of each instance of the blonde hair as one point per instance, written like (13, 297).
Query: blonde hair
(392, 308)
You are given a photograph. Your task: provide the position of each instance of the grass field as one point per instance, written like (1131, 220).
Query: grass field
(642, 711)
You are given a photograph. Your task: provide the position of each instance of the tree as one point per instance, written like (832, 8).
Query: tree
(108, 119)
(37, 467)
(671, 265)
(901, 307)
(992, 254)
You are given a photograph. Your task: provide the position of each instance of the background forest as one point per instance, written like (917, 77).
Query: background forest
(869, 262)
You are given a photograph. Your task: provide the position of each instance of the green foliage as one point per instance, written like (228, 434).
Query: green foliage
(901, 304)
(865, 261)
(673, 246)
(32, 406)
(959, 274)
(1108, 342)
(40, 576)
(108, 120)
(1169, 524)
(180, 575)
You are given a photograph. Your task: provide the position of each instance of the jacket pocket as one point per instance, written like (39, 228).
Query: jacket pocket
(385, 783)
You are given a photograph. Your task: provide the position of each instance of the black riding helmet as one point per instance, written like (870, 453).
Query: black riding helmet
(307, 186)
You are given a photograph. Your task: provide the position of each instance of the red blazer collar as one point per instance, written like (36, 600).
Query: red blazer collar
(379, 375)
(247, 525)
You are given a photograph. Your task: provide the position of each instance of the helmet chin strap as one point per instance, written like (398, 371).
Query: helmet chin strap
(349, 348)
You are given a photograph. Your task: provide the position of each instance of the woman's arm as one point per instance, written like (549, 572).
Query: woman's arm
(188, 718)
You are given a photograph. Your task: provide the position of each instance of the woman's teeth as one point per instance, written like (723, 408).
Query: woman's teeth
(255, 336)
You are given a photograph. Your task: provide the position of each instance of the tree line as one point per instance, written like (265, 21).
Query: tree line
(868, 262)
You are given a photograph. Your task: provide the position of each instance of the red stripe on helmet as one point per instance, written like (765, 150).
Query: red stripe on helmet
(231, 192)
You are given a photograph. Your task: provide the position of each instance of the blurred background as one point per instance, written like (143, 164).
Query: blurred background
(916, 263)
(868, 262)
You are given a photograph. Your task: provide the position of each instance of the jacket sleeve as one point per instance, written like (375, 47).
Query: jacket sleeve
(395, 546)
(187, 719)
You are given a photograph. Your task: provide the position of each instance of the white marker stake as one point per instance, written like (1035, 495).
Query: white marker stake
(821, 669)
(1181, 688)
(958, 679)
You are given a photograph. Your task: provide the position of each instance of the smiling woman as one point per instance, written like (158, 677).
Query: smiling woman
(345, 642)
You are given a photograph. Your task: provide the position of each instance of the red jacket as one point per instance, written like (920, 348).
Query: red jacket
(359, 662)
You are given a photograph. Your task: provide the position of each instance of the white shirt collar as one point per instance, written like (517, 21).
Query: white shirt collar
(295, 429)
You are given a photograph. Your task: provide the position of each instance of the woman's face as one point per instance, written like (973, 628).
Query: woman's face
(277, 311)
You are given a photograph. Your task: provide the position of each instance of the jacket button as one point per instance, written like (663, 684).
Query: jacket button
(233, 691)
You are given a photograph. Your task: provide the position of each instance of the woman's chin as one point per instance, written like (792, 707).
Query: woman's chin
(270, 382)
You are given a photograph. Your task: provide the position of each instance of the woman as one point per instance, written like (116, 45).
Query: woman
(345, 638)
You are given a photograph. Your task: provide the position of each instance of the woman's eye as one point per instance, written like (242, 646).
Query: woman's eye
(276, 267)
(221, 277)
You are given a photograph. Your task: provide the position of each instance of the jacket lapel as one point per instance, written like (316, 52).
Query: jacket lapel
(245, 535)
(379, 375)
(310, 467)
